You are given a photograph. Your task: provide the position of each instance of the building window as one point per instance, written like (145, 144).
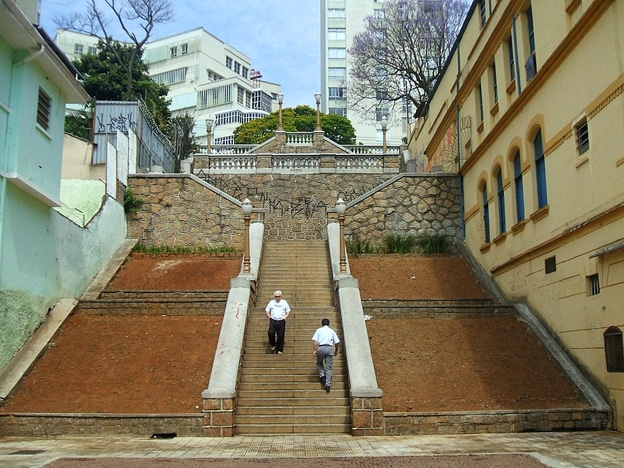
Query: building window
(582, 136)
(550, 265)
(482, 12)
(91, 50)
(614, 349)
(379, 14)
(336, 34)
(44, 106)
(78, 48)
(184, 48)
(229, 62)
(531, 64)
(173, 51)
(480, 102)
(494, 82)
(540, 170)
(237, 67)
(337, 53)
(380, 112)
(338, 111)
(517, 163)
(511, 60)
(337, 93)
(486, 214)
(336, 13)
(593, 282)
(245, 72)
(500, 190)
(337, 72)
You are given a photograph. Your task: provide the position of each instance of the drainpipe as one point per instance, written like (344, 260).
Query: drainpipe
(457, 130)
(515, 51)
(30, 57)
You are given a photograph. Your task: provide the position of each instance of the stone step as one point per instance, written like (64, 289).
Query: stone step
(293, 419)
(283, 386)
(286, 361)
(321, 401)
(264, 375)
(280, 429)
(338, 410)
(287, 394)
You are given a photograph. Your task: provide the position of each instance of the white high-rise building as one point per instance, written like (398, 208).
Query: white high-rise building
(341, 20)
(207, 78)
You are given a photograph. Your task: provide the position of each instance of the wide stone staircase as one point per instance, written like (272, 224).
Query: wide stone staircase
(281, 394)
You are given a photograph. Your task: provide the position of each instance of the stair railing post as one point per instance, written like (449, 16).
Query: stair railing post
(247, 207)
(340, 209)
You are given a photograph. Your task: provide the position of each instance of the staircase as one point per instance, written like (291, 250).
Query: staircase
(282, 394)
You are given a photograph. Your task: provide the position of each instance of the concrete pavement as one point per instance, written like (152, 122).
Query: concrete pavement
(560, 449)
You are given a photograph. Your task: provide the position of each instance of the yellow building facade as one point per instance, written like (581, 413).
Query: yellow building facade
(530, 112)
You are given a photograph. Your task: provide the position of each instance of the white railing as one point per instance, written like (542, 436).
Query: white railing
(361, 149)
(221, 164)
(359, 163)
(296, 163)
(300, 138)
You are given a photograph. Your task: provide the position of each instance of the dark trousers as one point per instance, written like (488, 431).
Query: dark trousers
(277, 328)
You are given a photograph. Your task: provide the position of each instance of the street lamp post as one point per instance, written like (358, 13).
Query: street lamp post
(317, 98)
(209, 124)
(247, 207)
(384, 129)
(280, 101)
(340, 209)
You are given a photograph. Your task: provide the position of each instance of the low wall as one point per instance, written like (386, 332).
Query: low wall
(184, 210)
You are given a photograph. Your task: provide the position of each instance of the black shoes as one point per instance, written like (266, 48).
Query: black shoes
(327, 388)
(323, 381)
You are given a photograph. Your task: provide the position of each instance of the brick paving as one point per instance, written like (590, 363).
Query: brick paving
(560, 449)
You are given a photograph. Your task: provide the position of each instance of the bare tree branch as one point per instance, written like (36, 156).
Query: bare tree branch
(397, 59)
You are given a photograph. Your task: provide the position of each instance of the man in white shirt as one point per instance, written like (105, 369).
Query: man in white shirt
(277, 311)
(326, 345)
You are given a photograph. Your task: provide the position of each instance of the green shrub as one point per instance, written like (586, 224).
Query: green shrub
(165, 249)
(433, 243)
(357, 247)
(132, 203)
(399, 243)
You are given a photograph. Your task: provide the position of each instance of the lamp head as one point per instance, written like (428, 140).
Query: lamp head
(247, 207)
(384, 122)
(209, 123)
(341, 207)
(317, 97)
(280, 98)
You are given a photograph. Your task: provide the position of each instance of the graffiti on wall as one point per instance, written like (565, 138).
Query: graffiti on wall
(109, 123)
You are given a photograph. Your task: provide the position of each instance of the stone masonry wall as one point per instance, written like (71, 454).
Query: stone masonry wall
(183, 211)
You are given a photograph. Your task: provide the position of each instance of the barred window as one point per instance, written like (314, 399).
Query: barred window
(44, 106)
(594, 284)
(582, 136)
(614, 349)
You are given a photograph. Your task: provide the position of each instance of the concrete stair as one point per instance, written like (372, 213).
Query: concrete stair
(281, 394)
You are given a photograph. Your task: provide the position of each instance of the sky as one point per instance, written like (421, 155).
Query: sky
(281, 37)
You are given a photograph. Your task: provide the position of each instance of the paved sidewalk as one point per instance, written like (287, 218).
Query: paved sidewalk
(561, 449)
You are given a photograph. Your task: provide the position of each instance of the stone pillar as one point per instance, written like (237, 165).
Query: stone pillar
(218, 417)
(318, 138)
(327, 164)
(391, 163)
(366, 416)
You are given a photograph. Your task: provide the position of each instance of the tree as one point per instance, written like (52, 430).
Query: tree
(397, 59)
(180, 132)
(299, 119)
(104, 79)
(132, 16)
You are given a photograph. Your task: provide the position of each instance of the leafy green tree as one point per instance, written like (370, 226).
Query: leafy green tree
(105, 80)
(298, 119)
(180, 132)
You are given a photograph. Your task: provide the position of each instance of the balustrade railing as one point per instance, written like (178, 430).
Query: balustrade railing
(300, 138)
(221, 164)
(368, 149)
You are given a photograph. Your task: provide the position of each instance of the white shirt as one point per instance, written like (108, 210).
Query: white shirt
(325, 336)
(278, 310)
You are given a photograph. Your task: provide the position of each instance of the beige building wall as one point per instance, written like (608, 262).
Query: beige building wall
(77, 155)
(565, 256)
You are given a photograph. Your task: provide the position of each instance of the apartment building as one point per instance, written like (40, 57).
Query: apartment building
(207, 78)
(530, 112)
(341, 20)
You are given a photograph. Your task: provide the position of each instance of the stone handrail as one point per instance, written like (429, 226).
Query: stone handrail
(372, 149)
(299, 138)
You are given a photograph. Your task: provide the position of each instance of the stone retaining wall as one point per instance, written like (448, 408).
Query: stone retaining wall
(183, 210)
(51, 424)
(481, 422)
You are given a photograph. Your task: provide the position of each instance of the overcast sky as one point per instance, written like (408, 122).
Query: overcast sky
(282, 37)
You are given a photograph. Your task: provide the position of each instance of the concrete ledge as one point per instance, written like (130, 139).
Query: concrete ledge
(107, 271)
(26, 357)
